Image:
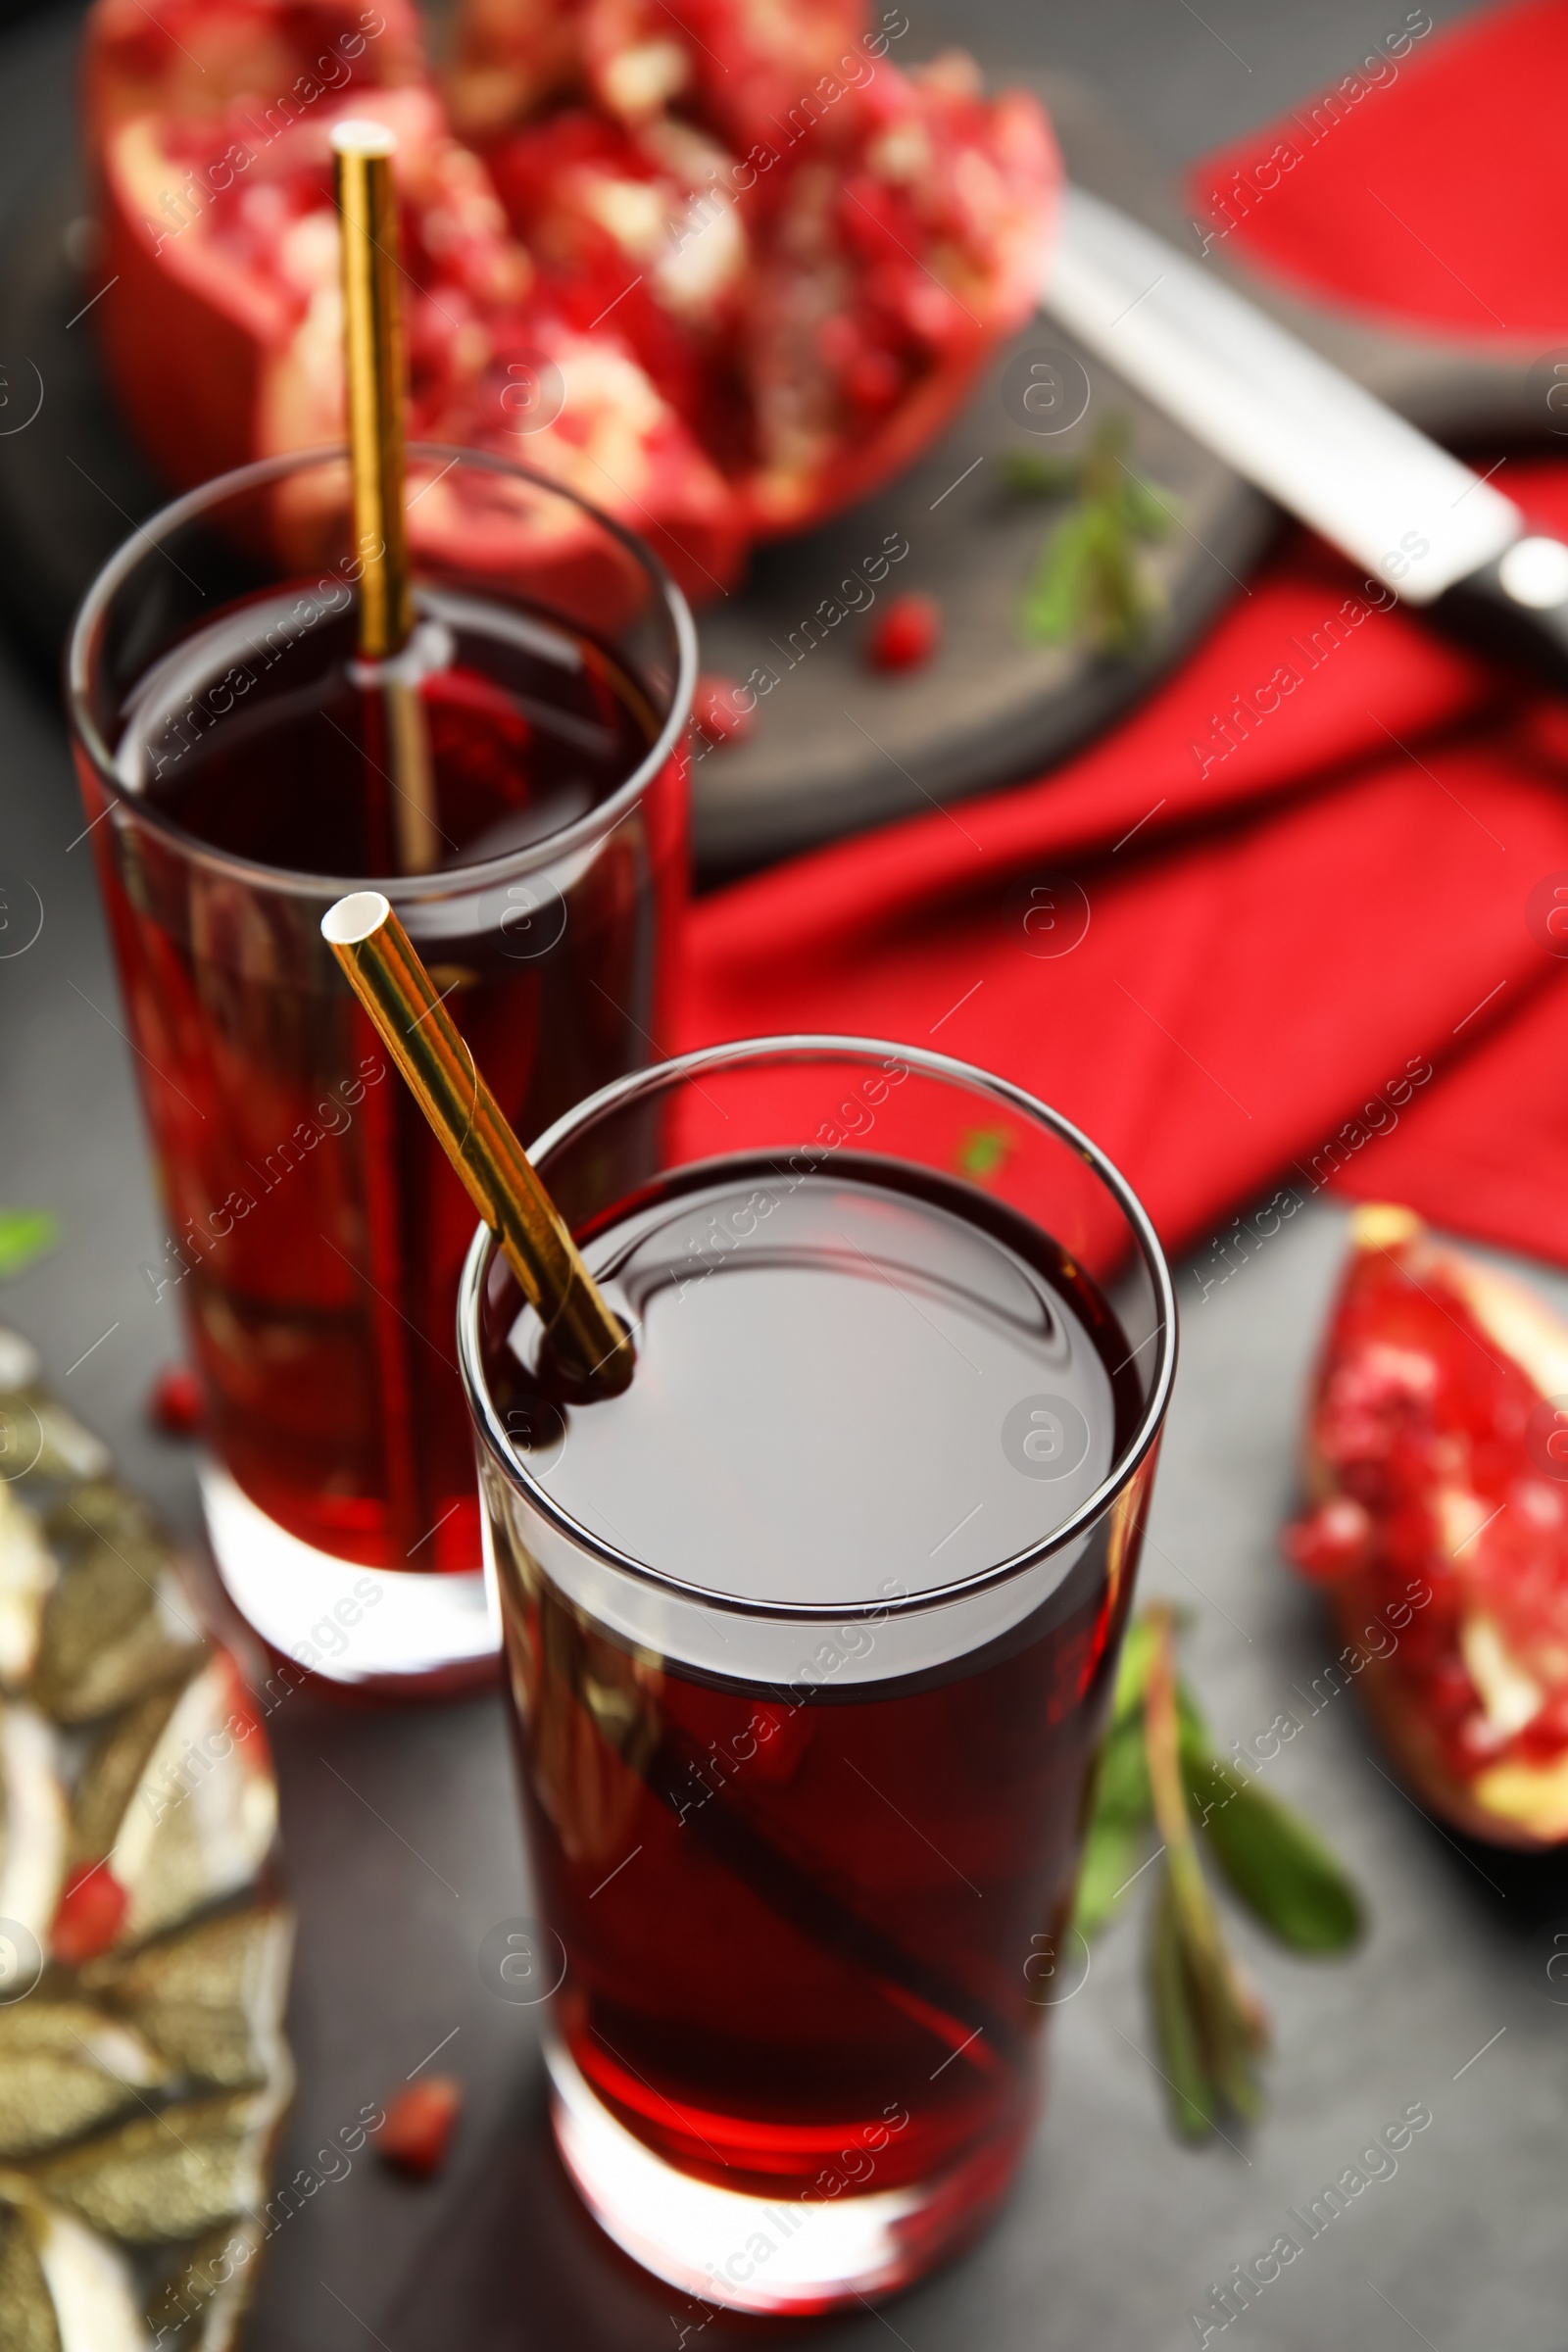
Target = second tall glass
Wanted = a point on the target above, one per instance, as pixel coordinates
(240, 776)
(810, 1636)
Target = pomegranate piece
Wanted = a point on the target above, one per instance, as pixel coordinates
(1436, 1457)
(89, 1917)
(419, 2123)
(906, 635)
(174, 1404)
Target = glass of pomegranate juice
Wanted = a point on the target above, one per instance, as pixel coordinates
(810, 1635)
(514, 781)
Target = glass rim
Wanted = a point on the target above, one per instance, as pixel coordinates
(808, 1046)
(400, 889)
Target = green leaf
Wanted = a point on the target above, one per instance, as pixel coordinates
(1118, 1830)
(1137, 1649)
(1190, 2094)
(1028, 475)
(1113, 1852)
(1122, 1791)
(1225, 2011)
(1121, 604)
(1089, 585)
(1278, 1866)
(1197, 1741)
(1149, 513)
(1057, 596)
(25, 1234)
(982, 1151)
(1157, 1767)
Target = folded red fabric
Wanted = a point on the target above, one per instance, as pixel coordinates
(1421, 184)
(1278, 930)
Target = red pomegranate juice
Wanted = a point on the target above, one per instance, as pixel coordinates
(317, 1229)
(804, 1912)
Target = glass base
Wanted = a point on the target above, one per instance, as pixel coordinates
(390, 1633)
(789, 2255)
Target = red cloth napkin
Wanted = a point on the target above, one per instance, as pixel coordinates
(1310, 956)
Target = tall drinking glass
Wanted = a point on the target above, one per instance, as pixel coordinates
(810, 1636)
(242, 769)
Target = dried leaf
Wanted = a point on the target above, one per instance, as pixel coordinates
(211, 2000)
(68, 1449)
(118, 1624)
(199, 1811)
(64, 2069)
(33, 1827)
(61, 2288)
(27, 1576)
(38, 1437)
(111, 1773)
(173, 2174)
(200, 2302)
(24, 2299)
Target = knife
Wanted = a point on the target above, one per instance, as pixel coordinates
(1401, 508)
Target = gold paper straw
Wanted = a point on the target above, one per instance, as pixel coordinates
(385, 971)
(372, 341)
(372, 344)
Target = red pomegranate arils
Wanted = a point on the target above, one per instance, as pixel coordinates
(718, 712)
(174, 1402)
(419, 2123)
(906, 635)
(88, 1918)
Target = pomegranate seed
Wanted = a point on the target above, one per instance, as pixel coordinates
(721, 716)
(418, 2125)
(88, 1918)
(174, 1404)
(907, 635)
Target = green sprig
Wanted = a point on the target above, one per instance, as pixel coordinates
(1158, 1772)
(1089, 584)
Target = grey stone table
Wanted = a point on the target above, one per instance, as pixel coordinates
(401, 1832)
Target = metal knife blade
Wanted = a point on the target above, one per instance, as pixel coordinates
(1386, 495)
(1392, 500)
